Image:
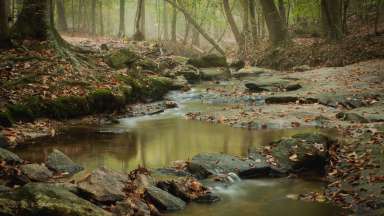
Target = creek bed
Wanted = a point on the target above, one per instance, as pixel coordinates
(155, 141)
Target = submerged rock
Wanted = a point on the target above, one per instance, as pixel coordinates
(302, 153)
(104, 186)
(46, 199)
(36, 172)
(9, 157)
(206, 164)
(163, 200)
(59, 162)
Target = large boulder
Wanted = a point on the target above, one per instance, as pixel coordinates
(302, 153)
(190, 73)
(206, 164)
(208, 61)
(104, 186)
(163, 200)
(61, 163)
(121, 58)
(36, 172)
(46, 199)
(9, 157)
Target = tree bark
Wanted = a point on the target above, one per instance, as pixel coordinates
(331, 19)
(276, 28)
(101, 18)
(283, 12)
(93, 17)
(139, 36)
(61, 18)
(165, 20)
(4, 28)
(174, 23)
(122, 19)
(33, 20)
(197, 26)
(379, 10)
(235, 30)
(252, 17)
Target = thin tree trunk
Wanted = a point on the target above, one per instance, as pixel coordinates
(138, 28)
(4, 28)
(174, 23)
(165, 20)
(122, 19)
(331, 18)
(73, 16)
(252, 17)
(276, 28)
(379, 10)
(194, 23)
(101, 18)
(61, 18)
(142, 22)
(235, 30)
(282, 12)
(93, 17)
(187, 30)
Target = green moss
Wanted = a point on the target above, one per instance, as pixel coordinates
(36, 105)
(208, 61)
(103, 100)
(67, 107)
(5, 119)
(121, 58)
(21, 112)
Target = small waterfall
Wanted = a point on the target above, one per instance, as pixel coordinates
(233, 177)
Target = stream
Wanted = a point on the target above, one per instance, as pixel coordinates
(155, 141)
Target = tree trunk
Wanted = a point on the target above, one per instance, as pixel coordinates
(174, 23)
(33, 20)
(93, 17)
(4, 28)
(142, 22)
(139, 36)
(197, 26)
(282, 12)
(252, 17)
(276, 28)
(165, 20)
(331, 19)
(122, 19)
(61, 18)
(235, 30)
(187, 30)
(101, 18)
(379, 10)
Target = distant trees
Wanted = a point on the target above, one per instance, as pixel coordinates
(122, 18)
(140, 21)
(4, 28)
(61, 17)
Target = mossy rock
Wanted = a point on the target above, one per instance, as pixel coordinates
(20, 112)
(103, 100)
(68, 107)
(208, 61)
(147, 64)
(5, 119)
(36, 105)
(121, 58)
(46, 199)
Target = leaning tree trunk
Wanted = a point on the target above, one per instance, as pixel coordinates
(332, 19)
(235, 30)
(122, 18)
(4, 29)
(197, 26)
(61, 18)
(276, 27)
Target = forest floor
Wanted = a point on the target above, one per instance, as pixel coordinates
(348, 98)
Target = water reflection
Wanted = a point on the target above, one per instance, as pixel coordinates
(153, 143)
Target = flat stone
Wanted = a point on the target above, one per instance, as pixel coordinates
(9, 157)
(105, 186)
(59, 162)
(163, 200)
(36, 172)
(206, 164)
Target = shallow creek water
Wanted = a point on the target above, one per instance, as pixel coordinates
(156, 141)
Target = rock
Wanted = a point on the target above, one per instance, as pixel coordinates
(302, 68)
(253, 87)
(104, 47)
(281, 99)
(208, 61)
(131, 206)
(36, 172)
(9, 157)
(180, 83)
(59, 162)
(293, 87)
(163, 200)
(351, 117)
(208, 198)
(46, 199)
(104, 186)
(121, 58)
(147, 64)
(251, 72)
(302, 153)
(190, 73)
(237, 64)
(211, 74)
(206, 164)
